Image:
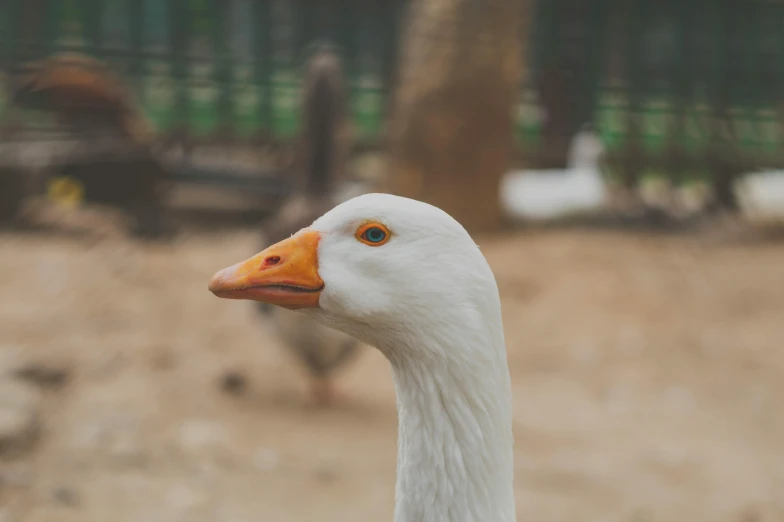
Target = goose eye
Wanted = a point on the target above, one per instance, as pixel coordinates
(373, 234)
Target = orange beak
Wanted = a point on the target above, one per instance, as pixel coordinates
(285, 274)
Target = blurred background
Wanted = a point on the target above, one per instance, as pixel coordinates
(618, 162)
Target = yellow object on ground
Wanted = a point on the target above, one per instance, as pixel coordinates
(65, 191)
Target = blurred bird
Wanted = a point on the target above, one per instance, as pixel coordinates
(82, 92)
(322, 164)
(553, 193)
(761, 196)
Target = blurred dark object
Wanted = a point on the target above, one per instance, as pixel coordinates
(234, 383)
(322, 183)
(325, 139)
(83, 93)
(12, 192)
(101, 146)
(44, 375)
(66, 496)
(322, 147)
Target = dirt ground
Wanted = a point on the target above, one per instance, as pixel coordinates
(648, 376)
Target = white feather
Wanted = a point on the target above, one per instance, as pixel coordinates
(428, 300)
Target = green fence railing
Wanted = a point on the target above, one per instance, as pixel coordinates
(665, 78)
(659, 76)
(214, 68)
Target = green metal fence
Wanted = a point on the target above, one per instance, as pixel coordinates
(214, 68)
(661, 80)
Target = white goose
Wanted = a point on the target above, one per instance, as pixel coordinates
(553, 193)
(405, 277)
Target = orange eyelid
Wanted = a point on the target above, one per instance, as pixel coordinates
(372, 224)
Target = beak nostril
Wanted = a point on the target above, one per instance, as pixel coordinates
(271, 261)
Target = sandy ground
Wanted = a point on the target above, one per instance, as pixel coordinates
(648, 379)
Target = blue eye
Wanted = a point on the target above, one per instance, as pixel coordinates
(375, 235)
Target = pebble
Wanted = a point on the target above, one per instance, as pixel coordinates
(65, 496)
(20, 406)
(234, 383)
(50, 375)
(325, 474)
(163, 359)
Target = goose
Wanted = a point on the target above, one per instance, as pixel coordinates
(405, 277)
(81, 91)
(322, 351)
(761, 196)
(542, 195)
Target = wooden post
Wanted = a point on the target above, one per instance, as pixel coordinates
(451, 135)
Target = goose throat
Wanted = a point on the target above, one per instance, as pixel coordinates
(455, 441)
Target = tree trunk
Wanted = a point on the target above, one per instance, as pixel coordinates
(451, 134)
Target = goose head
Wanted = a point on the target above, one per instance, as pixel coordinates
(373, 265)
(406, 277)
